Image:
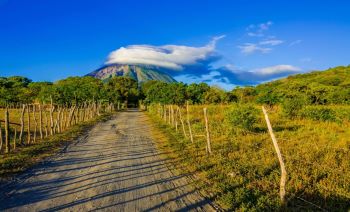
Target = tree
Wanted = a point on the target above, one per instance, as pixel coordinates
(122, 89)
(214, 95)
(245, 94)
(195, 92)
(76, 90)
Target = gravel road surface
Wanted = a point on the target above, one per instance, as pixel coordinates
(114, 167)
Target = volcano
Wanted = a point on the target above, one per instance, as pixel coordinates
(141, 73)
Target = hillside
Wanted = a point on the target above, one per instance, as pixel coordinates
(331, 86)
(140, 73)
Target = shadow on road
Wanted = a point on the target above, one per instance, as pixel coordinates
(114, 169)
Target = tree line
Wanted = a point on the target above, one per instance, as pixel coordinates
(317, 88)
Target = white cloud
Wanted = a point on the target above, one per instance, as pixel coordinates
(260, 46)
(278, 69)
(265, 26)
(296, 42)
(213, 78)
(168, 56)
(253, 34)
(250, 48)
(258, 30)
(271, 42)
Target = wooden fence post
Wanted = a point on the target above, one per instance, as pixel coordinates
(169, 115)
(1, 140)
(207, 130)
(84, 110)
(66, 111)
(46, 123)
(176, 123)
(7, 134)
(279, 155)
(35, 123)
(164, 110)
(182, 122)
(188, 122)
(28, 125)
(172, 115)
(71, 116)
(40, 122)
(22, 124)
(51, 117)
(14, 138)
(59, 119)
(159, 110)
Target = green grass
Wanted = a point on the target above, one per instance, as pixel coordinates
(243, 172)
(26, 156)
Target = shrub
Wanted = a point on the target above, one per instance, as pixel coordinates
(243, 116)
(268, 98)
(292, 106)
(319, 114)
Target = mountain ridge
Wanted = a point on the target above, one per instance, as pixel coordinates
(141, 73)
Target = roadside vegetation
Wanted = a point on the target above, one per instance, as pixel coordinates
(309, 114)
(310, 118)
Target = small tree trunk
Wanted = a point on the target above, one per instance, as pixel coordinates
(22, 124)
(7, 133)
(207, 130)
(188, 122)
(280, 159)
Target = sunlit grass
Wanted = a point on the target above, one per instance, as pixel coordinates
(243, 172)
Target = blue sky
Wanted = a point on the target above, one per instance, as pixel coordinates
(259, 40)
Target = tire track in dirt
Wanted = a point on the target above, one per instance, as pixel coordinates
(116, 167)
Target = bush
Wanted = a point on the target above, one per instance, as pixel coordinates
(292, 106)
(243, 116)
(268, 98)
(319, 114)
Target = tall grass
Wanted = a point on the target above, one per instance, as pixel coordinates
(243, 172)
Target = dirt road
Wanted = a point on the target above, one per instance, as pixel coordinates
(116, 167)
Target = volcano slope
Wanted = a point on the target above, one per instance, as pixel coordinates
(115, 167)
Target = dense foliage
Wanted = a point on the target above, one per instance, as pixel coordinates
(72, 90)
(292, 93)
(317, 88)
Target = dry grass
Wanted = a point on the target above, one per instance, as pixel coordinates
(243, 171)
